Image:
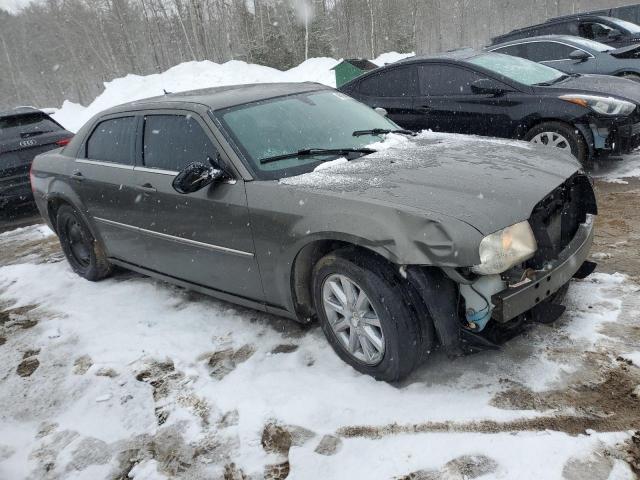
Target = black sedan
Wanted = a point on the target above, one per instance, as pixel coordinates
(576, 55)
(498, 95)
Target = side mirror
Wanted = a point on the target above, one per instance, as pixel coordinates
(579, 55)
(485, 86)
(197, 175)
(381, 111)
(614, 34)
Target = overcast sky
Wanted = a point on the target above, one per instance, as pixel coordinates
(13, 5)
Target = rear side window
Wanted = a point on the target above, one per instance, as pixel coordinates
(25, 126)
(438, 80)
(113, 141)
(397, 82)
(171, 142)
(547, 51)
(513, 50)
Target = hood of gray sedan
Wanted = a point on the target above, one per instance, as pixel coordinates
(486, 183)
(604, 84)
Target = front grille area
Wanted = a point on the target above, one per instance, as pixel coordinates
(556, 218)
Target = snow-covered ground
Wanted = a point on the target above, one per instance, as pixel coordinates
(131, 376)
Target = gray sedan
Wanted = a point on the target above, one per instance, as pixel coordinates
(575, 55)
(294, 200)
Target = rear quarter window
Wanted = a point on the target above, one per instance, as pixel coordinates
(113, 141)
(396, 82)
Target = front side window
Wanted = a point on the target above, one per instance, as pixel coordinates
(547, 51)
(113, 141)
(518, 69)
(171, 142)
(595, 31)
(397, 82)
(591, 44)
(285, 125)
(440, 80)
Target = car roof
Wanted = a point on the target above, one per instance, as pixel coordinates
(551, 21)
(220, 97)
(559, 38)
(460, 54)
(20, 111)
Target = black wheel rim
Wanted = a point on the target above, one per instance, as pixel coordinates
(79, 244)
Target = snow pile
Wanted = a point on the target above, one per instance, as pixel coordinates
(196, 75)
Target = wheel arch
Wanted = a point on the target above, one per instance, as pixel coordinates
(306, 258)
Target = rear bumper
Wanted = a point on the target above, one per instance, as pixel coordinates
(16, 194)
(515, 301)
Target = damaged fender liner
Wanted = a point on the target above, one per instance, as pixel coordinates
(515, 301)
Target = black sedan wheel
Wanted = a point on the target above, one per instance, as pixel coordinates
(365, 315)
(563, 136)
(84, 254)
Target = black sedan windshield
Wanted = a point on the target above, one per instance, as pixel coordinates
(285, 125)
(518, 69)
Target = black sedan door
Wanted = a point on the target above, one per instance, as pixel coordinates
(449, 103)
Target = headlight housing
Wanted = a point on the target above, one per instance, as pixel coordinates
(603, 105)
(505, 248)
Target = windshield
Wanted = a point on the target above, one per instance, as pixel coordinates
(21, 126)
(517, 69)
(624, 25)
(285, 125)
(592, 44)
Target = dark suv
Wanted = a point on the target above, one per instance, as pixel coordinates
(24, 133)
(610, 30)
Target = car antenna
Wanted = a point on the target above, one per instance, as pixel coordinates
(165, 92)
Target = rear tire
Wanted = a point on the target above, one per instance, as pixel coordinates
(564, 136)
(387, 318)
(85, 255)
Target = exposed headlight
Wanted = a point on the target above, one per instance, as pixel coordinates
(505, 248)
(602, 105)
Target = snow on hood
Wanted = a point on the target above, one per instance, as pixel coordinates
(487, 183)
(197, 75)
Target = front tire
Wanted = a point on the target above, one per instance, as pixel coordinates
(85, 255)
(563, 136)
(365, 316)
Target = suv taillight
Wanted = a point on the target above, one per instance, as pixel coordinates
(63, 141)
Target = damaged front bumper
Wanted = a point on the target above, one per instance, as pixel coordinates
(516, 300)
(613, 135)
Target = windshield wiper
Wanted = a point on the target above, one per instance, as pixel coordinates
(35, 133)
(561, 78)
(383, 131)
(312, 152)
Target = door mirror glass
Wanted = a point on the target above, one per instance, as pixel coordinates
(381, 111)
(486, 86)
(197, 175)
(614, 34)
(579, 55)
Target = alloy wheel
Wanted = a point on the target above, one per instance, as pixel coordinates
(353, 319)
(552, 139)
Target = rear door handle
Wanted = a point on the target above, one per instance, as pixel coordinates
(147, 187)
(424, 109)
(77, 175)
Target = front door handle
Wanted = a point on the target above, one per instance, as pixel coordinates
(77, 175)
(147, 187)
(424, 109)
